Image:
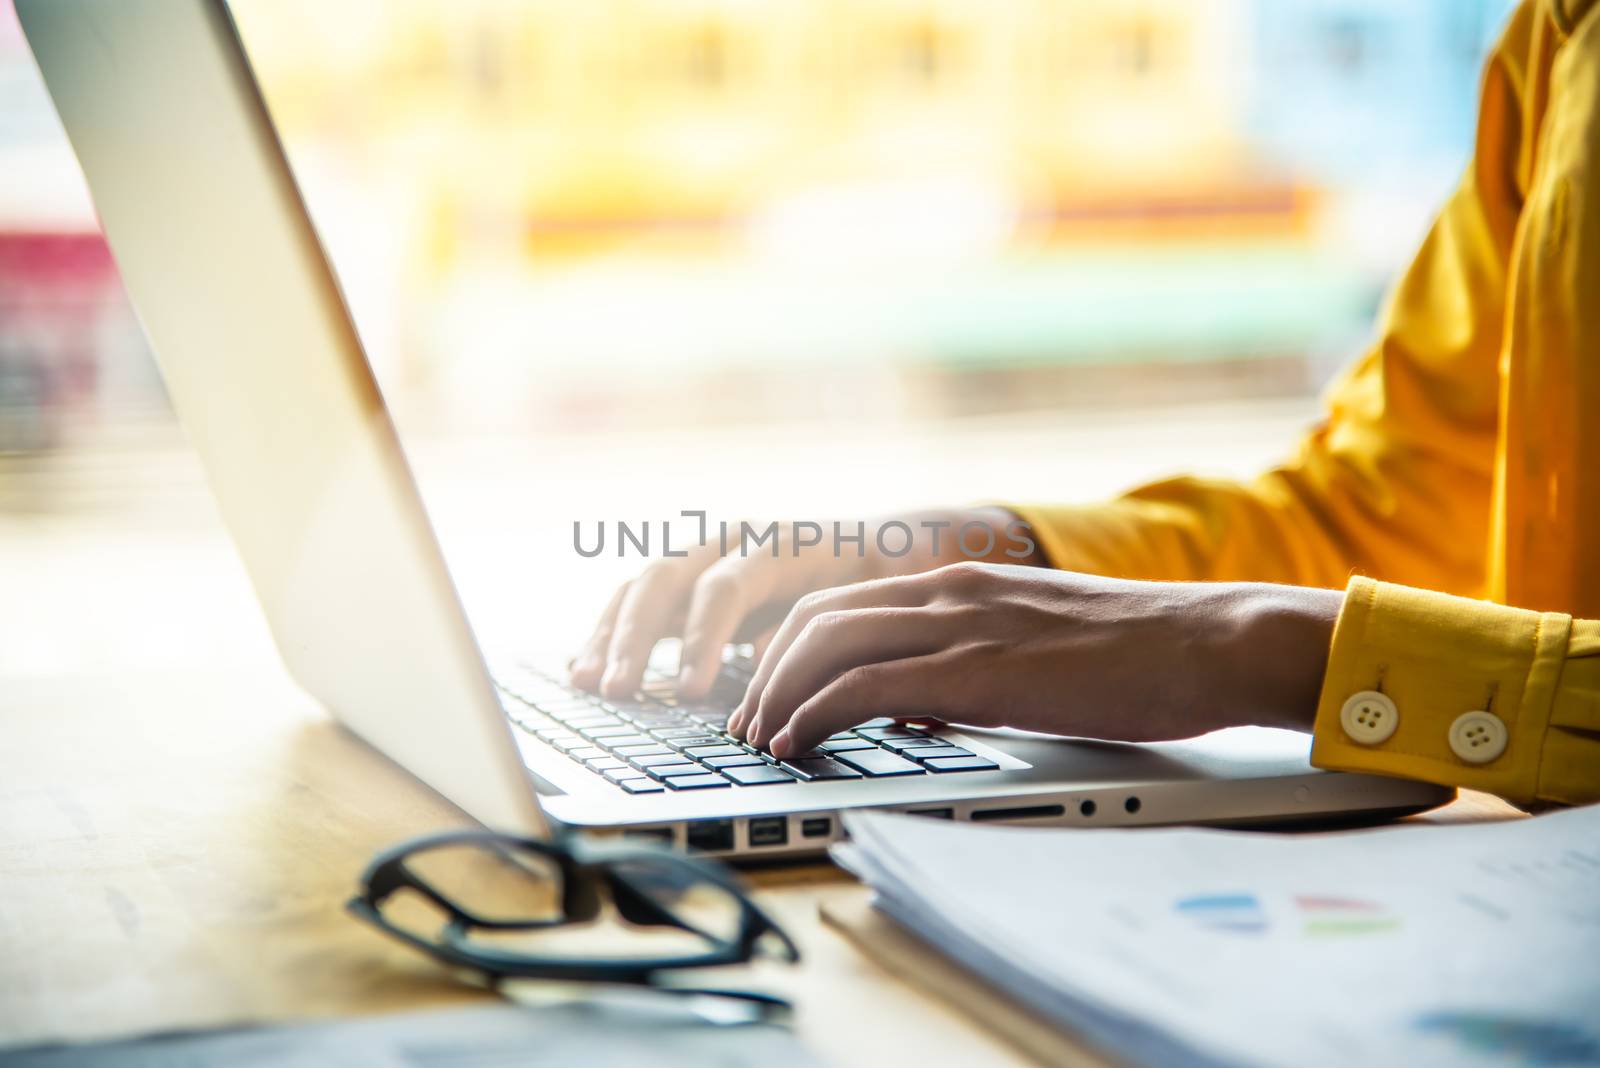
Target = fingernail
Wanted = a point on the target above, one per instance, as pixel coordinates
(780, 743)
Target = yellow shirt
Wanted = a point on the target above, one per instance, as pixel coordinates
(1460, 455)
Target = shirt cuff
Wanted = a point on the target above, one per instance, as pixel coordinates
(1445, 689)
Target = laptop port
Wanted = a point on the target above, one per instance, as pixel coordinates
(769, 831)
(711, 836)
(933, 813)
(1029, 812)
(816, 827)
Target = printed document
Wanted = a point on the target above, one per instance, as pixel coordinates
(1418, 945)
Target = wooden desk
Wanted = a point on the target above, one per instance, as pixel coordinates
(175, 851)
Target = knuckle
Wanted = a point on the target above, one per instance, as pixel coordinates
(859, 679)
(965, 576)
(811, 603)
(718, 584)
(822, 626)
(666, 574)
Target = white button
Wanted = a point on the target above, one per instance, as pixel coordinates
(1478, 737)
(1369, 718)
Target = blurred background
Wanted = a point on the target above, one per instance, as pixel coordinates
(617, 258)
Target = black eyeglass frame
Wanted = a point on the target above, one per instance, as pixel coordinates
(584, 866)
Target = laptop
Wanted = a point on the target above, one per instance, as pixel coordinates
(268, 378)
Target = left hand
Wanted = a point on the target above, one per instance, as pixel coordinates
(993, 645)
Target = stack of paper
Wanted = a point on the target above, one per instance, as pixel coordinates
(1406, 946)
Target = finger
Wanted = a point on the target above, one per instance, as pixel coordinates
(648, 608)
(722, 597)
(897, 592)
(921, 682)
(834, 643)
(590, 662)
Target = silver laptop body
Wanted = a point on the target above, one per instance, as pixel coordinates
(269, 380)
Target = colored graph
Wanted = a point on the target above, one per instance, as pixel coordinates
(1335, 916)
(1320, 915)
(1238, 913)
(1516, 1039)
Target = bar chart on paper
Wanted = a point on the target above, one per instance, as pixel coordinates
(1319, 915)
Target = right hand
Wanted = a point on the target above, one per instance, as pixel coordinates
(709, 599)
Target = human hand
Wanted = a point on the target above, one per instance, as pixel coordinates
(1055, 651)
(710, 599)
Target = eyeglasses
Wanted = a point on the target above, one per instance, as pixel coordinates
(506, 907)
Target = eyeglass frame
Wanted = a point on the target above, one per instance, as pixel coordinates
(583, 864)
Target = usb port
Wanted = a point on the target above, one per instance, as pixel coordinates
(933, 813)
(711, 836)
(816, 827)
(769, 831)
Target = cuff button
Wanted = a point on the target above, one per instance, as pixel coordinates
(1369, 718)
(1478, 737)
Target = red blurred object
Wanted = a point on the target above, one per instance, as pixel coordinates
(60, 298)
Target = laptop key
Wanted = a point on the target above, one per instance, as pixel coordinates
(567, 745)
(659, 723)
(878, 764)
(844, 745)
(696, 782)
(739, 760)
(641, 786)
(586, 752)
(901, 745)
(643, 750)
(618, 774)
(697, 740)
(819, 768)
(966, 763)
(936, 752)
(656, 760)
(757, 775)
(612, 730)
(599, 719)
(620, 740)
(605, 763)
(700, 752)
(881, 734)
(666, 771)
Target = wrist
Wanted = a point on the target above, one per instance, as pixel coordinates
(1280, 647)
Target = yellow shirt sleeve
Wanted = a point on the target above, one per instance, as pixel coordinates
(1397, 482)
(1477, 694)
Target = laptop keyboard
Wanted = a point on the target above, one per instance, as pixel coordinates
(656, 743)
